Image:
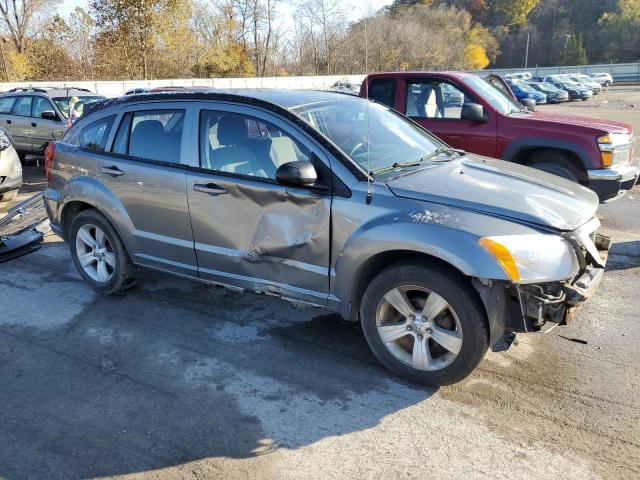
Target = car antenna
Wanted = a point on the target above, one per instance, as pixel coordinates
(368, 195)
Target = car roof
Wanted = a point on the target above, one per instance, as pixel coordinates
(286, 99)
(451, 74)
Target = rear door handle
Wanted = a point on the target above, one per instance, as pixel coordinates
(113, 171)
(34, 124)
(8, 122)
(210, 188)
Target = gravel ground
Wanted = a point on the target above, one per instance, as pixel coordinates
(181, 380)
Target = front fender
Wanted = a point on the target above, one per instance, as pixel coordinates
(517, 146)
(455, 247)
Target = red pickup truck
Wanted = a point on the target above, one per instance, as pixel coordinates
(482, 116)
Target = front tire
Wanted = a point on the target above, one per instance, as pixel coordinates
(424, 323)
(98, 253)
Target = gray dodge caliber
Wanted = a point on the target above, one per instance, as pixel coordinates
(331, 200)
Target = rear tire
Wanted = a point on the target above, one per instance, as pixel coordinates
(98, 253)
(453, 316)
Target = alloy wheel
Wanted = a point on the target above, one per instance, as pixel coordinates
(419, 327)
(95, 253)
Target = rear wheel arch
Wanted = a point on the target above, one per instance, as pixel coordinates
(69, 211)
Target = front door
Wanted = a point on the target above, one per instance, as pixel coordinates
(142, 170)
(249, 231)
(43, 128)
(436, 104)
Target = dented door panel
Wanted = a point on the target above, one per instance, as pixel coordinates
(261, 236)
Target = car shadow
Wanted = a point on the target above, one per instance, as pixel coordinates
(624, 255)
(171, 372)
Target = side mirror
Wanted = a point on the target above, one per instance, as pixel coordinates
(530, 104)
(296, 174)
(473, 112)
(49, 115)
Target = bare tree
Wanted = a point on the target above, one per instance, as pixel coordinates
(18, 18)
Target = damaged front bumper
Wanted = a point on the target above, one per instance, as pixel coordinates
(558, 302)
(528, 307)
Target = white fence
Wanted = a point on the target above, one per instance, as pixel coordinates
(114, 88)
(622, 73)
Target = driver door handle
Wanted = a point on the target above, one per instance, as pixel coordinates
(113, 171)
(34, 124)
(210, 188)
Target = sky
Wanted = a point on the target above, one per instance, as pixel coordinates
(355, 8)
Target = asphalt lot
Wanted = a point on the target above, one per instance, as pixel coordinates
(181, 380)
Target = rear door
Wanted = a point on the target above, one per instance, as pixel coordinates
(425, 102)
(250, 231)
(143, 170)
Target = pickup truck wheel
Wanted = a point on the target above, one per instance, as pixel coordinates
(99, 254)
(424, 323)
(555, 163)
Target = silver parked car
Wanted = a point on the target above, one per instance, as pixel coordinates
(332, 200)
(33, 117)
(10, 170)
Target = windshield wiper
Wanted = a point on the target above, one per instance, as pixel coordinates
(415, 163)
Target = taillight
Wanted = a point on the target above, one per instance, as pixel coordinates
(48, 159)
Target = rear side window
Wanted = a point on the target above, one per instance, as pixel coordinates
(151, 135)
(23, 106)
(383, 91)
(6, 103)
(94, 136)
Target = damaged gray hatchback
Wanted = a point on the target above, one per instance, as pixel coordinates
(331, 200)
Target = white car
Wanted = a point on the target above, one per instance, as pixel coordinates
(602, 78)
(10, 170)
(587, 81)
(518, 76)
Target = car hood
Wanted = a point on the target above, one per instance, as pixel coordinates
(562, 121)
(501, 188)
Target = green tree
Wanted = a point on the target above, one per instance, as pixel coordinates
(574, 52)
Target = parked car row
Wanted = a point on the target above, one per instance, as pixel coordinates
(595, 79)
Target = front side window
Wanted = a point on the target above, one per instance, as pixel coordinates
(383, 91)
(151, 135)
(23, 106)
(6, 103)
(94, 136)
(40, 105)
(83, 100)
(372, 135)
(245, 145)
(434, 99)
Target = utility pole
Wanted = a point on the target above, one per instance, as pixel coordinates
(526, 52)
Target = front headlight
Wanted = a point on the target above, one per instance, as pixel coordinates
(533, 258)
(615, 149)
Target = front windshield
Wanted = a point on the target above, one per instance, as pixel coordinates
(499, 100)
(372, 135)
(526, 88)
(570, 85)
(545, 88)
(582, 78)
(63, 103)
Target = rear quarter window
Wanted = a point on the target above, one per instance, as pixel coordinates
(383, 91)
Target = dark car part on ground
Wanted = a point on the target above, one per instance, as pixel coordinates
(22, 229)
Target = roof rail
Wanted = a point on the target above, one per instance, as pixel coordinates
(27, 89)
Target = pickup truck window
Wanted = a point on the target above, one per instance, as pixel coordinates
(372, 135)
(434, 99)
(498, 100)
